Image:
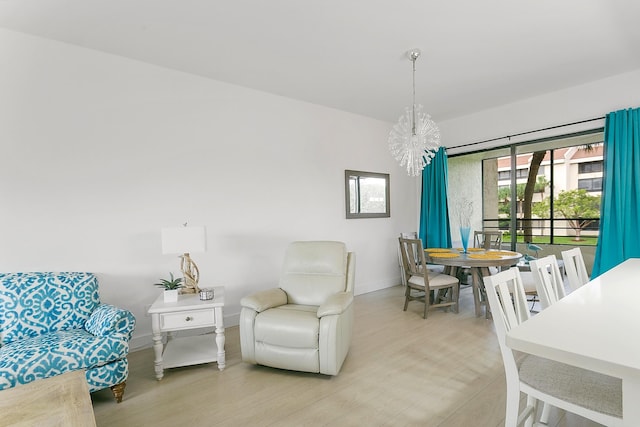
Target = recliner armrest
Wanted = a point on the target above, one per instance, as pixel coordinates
(335, 304)
(263, 300)
(108, 320)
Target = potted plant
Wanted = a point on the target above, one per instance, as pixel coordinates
(171, 288)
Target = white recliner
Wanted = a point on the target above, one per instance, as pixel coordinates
(306, 324)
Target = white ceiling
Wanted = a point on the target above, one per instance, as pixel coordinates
(350, 54)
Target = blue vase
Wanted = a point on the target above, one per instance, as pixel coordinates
(464, 235)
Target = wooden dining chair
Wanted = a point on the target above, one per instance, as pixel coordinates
(589, 394)
(548, 280)
(575, 268)
(433, 288)
(487, 239)
(403, 270)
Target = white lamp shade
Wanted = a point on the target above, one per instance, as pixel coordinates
(182, 240)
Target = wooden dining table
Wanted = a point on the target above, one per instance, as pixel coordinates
(478, 261)
(594, 327)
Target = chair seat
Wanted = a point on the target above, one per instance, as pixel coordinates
(436, 280)
(302, 326)
(52, 354)
(598, 392)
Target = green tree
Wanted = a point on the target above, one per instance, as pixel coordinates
(504, 198)
(574, 206)
(527, 202)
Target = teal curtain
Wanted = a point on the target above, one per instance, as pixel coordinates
(620, 207)
(435, 231)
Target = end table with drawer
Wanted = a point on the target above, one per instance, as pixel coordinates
(188, 313)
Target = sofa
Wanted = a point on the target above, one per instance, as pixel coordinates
(52, 323)
(305, 324)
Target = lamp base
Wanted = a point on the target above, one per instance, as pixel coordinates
(191, 275)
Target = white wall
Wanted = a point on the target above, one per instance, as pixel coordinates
(571, 105)
(99, 152)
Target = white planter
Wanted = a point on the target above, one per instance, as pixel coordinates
(171, 295)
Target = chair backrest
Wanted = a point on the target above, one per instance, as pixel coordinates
(35, 303)
(575, 268)
(548, 280)
(413, 258)
(314, 270)
(487, 239)
(403, 270)
(508, 309)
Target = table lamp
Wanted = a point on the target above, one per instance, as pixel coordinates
(184, 240)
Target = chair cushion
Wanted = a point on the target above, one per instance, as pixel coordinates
(293, 326)
(55, 353)
(591, 390)
(436, 280)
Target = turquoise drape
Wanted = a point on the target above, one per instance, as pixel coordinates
(620, 207)
(435, 231)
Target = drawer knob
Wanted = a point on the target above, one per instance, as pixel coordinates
(189, 318)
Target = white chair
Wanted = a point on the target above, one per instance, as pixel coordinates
(575, 268)
(586, 393)
(306, 323)
(548, 280)
(546, 275)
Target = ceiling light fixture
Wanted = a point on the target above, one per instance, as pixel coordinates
(415, 139)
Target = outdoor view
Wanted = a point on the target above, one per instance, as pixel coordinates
(556, 198)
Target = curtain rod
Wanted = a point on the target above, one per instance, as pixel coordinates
(526, 133)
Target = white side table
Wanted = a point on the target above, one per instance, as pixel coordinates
(188, 313)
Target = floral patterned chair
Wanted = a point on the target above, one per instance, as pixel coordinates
(52, 323)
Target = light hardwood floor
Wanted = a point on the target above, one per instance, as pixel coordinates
(401, 371)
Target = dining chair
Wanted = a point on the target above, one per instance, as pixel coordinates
(548, 280)
(589, 394)
(403, 271)
(487, 239)
(575, 268)
(433, 288)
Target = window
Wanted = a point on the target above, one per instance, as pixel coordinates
(366, 194)
(590, 184)
(506, 175)
(553, 212)
(590, 167)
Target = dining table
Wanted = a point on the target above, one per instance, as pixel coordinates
(594, 327)
(478, 261)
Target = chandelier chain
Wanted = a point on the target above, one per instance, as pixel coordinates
(413, 125)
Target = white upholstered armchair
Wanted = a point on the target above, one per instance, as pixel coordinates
(306, 324)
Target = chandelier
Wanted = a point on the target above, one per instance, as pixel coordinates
(415, 139)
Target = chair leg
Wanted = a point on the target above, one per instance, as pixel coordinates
(544, 418)
(455, 295)
(513, 406)
(407, 294)
(118, 391)
(531, 418)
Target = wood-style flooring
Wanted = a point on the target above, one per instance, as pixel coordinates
(401, 370)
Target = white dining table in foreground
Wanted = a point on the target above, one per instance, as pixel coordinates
(595, 327)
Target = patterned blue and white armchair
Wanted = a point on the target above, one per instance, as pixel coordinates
(52, 323)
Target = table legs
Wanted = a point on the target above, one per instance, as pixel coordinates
(630, 399)
(220, 340)
(476, 285)
(157, 349)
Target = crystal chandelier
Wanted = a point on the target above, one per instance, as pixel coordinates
(415, 139)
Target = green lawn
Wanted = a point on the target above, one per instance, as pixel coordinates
(557, 240)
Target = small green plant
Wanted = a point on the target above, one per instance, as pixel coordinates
(170, 284)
